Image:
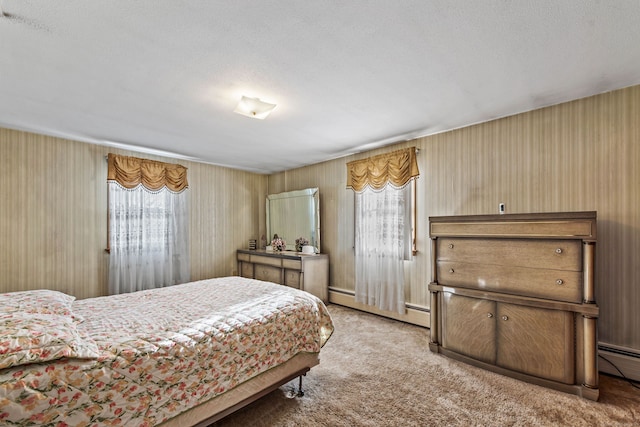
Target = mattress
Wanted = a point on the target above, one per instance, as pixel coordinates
(142, 358)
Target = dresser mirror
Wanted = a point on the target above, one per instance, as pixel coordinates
(294, 214)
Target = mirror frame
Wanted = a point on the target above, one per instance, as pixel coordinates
(312, 193)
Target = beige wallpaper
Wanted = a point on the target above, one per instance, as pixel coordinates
(53, 214)
(581, 155)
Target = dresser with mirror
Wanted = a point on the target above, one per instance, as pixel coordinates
(290, 215)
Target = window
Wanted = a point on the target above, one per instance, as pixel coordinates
(384, 226)
(148, 224)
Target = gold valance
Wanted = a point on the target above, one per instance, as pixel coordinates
(397, 167)
(130, 172)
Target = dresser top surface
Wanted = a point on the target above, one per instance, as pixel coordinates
(592, 215)
(562, 225)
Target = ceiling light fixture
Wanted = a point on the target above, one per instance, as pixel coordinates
(254, 107)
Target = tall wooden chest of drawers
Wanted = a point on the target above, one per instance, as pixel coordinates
(309, 272)
(515, 294)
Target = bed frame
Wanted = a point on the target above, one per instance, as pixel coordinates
(220, 406)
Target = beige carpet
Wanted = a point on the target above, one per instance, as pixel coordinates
(379, 372)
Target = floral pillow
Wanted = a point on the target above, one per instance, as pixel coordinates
(42, 301)
(38, 326)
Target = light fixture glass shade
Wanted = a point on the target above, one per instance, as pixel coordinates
(253, 107)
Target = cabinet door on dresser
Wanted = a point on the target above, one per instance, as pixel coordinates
(469, 326)
(532, 340)
(536, 341)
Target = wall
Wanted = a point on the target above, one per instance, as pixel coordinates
(580, 155)
(53, 217)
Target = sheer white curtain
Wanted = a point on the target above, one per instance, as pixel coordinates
(148, 238)
(380, 247)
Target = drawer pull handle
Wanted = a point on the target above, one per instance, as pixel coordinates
(559, 250)
(451, 271)
(505, 318)
(450, 245)
(489, 315)
(559, 282)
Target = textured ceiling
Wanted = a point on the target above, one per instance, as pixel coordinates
(347, 75)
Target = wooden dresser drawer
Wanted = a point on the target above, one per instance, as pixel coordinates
(266, 260)
(244, 257)
(267, 273)
(503, 227)
(292, 278)
(546, 254)
(561, 285)
(294, 264)
(246, 270)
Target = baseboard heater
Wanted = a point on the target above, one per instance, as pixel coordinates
(626, 360)
(416, 314)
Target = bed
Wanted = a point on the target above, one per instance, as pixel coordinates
(177, 356)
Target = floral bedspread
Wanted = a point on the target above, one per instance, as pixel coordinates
(163, 351)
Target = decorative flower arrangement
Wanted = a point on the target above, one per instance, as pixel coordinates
(278, 244)
(300, 242)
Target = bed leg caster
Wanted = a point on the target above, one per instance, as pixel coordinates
(300, 392)
(293, 393)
